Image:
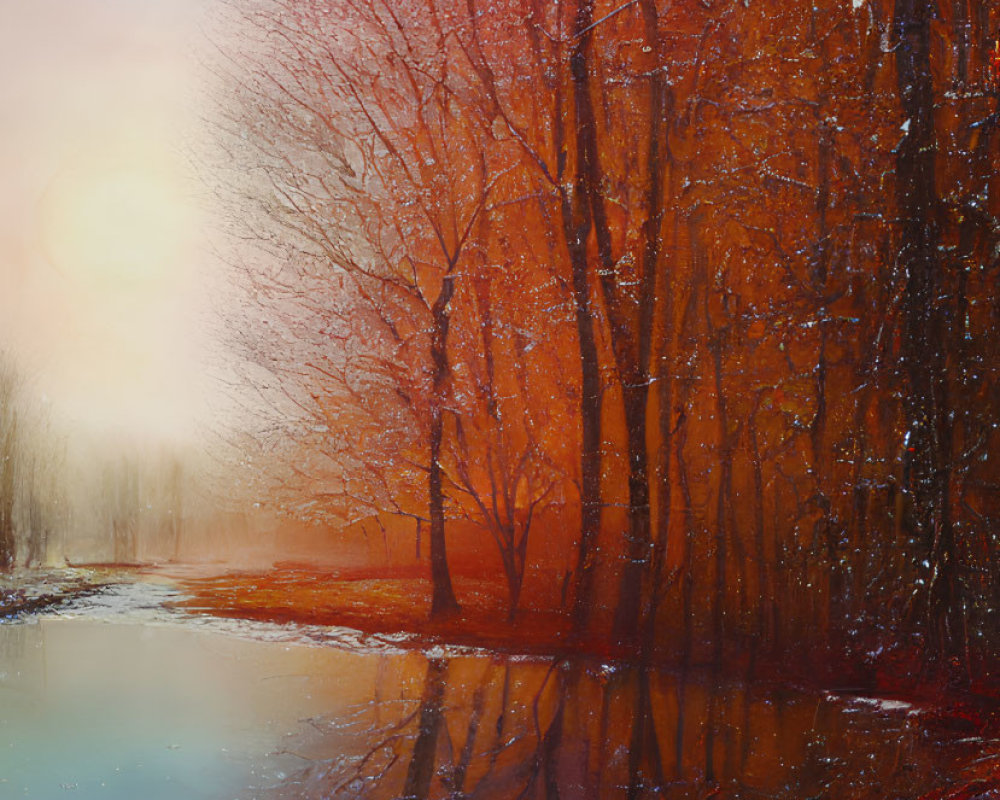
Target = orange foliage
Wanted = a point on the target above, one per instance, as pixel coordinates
(734, 203)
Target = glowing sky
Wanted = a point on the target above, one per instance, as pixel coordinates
(104, 267)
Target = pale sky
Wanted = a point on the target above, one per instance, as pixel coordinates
(104, 269)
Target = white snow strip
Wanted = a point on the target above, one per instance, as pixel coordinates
(143, 603)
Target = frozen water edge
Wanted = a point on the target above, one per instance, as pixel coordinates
(145, 603)
(882, 704)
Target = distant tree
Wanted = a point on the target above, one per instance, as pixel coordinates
(43, 492)
(121, 497)
(10, 454)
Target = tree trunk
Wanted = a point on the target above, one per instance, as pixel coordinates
(637, 553)
(766, 630)
(8, 545)
(926, 446)
(824, 534)
(590, 425)
(645, 761)
(443, 600)
(723, 501)
(576, 225)
(630, 320)
(631, 606)
(420, 772)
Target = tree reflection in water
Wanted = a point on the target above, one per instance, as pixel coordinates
(469, 727)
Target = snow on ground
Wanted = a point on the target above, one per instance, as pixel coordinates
(132, 599)
(882, 704)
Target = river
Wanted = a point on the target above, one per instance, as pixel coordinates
(119, 698)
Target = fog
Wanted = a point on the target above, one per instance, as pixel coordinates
(105, 276)
(102, 250)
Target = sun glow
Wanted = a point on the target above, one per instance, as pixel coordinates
(121, 232)
(105, 264)
(117, 220)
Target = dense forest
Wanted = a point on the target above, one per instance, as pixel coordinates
(686, 310)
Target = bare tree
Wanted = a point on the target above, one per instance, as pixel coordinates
(10, 385)
(121, 496)
(379, 195)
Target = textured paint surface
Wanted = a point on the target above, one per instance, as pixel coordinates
(604, 390)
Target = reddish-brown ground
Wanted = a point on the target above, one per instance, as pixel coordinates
(381, 601)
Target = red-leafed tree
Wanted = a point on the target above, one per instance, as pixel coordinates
(729, 270)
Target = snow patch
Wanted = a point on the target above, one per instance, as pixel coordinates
(145, 604)
(883, 704)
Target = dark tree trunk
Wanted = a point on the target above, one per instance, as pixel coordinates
(576, 225)
(633, 372)
(513, 557)
(687, 554)
(723, 504)
(630, 320)
(645, 762)
(443, 600)
(824, 534)
(960, 12)
(766, 629)
(637, 552)
(926, 448)
(8, 545)
(421, 769)
(590, 425)
(631, 608)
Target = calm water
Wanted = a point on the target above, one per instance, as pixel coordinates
(118, 699)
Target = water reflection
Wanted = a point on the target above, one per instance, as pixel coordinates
(503, 728)
(120, 711)
(178, 712)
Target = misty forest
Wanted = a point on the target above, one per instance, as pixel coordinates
(510, 399)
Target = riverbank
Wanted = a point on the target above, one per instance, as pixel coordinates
(28, 591)
(396, 603)
(387, 602)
